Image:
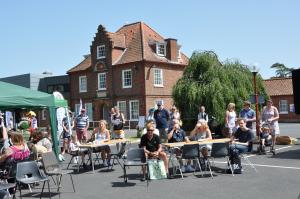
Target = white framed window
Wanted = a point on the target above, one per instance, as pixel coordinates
(283, 107)
(156, 102)
(127, 78)
(101, 52)
(82, 84)
(89, 110)
(77, 107)
(134, 110)
(122, 107)
(158, 77)
(161, 49)
(101, 81)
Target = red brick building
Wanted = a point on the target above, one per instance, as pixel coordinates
(133, 68)
(281, 92)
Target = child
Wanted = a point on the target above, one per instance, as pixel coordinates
(265, 137)
(74, 149)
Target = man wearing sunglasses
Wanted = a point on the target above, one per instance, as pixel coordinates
(152, 146)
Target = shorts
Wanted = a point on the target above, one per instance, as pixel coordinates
(66, 135)
(118, 135)
(264, 135)
(81, 134)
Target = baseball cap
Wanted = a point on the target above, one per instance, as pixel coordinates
(159, 103)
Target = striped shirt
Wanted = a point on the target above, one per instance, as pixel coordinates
(82, 121)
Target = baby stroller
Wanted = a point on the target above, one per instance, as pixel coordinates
(265, 139)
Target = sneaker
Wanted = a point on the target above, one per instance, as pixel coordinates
(183, 169)
(189, 168)
(143, 179)
(105, 164)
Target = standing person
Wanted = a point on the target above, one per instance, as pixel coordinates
(82, 125)
(118, 121)
(230, 117)
(66, 131)
(150, 116)
(162, 117)
(270, 115)
(248, 114)
(174, 114)
(202, 115)
(241, 142)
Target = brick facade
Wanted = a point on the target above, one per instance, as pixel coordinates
(130, 48)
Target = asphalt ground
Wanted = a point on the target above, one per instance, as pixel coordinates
(277, 177)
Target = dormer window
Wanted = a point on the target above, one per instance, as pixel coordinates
(161, 49)
(101, 52)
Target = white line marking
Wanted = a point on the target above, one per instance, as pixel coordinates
(265, 165)
(285, 147)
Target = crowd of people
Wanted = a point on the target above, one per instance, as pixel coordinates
(162, 126)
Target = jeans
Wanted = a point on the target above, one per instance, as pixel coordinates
(234, 151)
(238, 147)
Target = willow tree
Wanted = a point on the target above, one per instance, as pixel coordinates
(206, 81)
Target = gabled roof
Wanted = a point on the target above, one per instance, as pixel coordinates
(85, 64)
(139, 36)
(135, 39)
(279, 86)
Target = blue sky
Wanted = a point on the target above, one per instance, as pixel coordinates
(54, 35)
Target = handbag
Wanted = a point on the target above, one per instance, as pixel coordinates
(156, 169)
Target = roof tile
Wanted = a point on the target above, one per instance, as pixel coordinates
(279, 86)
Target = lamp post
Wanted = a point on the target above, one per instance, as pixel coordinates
(254, 73)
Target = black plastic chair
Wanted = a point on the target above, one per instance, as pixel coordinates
(52, 168)
(117, 156)
(29, 173)
(74, 154)
(192, 152)
(135, 157)
(220, 150)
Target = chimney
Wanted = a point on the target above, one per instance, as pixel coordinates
(171, 49)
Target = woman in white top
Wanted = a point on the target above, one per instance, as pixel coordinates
(101, 134)
(270, 115)
(230, 118)
(201, 132)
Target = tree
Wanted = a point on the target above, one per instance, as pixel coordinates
(206, 81)
(282, 70)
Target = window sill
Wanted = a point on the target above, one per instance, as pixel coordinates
(159, 86)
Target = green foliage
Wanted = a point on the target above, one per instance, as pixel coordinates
(206, 81)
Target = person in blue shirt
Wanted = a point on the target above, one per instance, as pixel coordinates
(248, 114)
(162, 117)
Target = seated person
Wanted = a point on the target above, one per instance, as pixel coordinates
(18, 151)
(44, 140)
(74, 149)
(102, 134)
(201, 132)
(176, 134)
(153, 149)
(265, 137)
(241, 142)
(152, 123)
